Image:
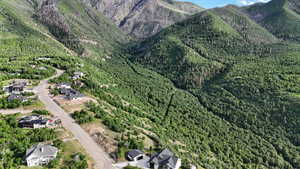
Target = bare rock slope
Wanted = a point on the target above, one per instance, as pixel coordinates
(144, 18)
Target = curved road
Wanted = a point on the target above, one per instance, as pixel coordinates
(102, 160)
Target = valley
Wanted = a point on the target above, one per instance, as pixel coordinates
(219, 87)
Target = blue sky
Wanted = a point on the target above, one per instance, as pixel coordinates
(217, 3)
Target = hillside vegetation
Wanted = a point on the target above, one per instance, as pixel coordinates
(247, 28)
(201, 46)
(218, 60)
(204, 87)
(280, 17)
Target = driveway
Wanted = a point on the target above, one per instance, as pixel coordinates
(102, 160)
(140, 164)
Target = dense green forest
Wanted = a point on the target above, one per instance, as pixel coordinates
(219, 89)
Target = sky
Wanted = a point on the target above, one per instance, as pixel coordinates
(218, 3)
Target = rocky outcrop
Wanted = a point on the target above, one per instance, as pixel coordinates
(144, 18)
(49, 15)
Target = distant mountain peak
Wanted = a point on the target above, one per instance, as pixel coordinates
(144, 18)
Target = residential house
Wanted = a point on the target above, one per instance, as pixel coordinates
(64, 85)
(54, 122)
(78, 83)
(78, 75)
(40, 154)
(18, 97)
(42, 59)
(17, 86)
(193, 167)
(164, 160)
(135, 155)
(71, 94)
(37, 121)
(64, 91)
(31, 117)
(42, 68)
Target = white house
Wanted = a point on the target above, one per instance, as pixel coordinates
(78, 75)
(193, 167)
(40, 154)
(64, 86)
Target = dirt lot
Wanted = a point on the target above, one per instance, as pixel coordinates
(101, 135)
(72, 105)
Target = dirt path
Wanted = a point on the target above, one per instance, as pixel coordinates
(14, 111)
(101, 159)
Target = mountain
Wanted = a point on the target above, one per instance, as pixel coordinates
(238, 71)
(79, 26)
(197, 48)
(248, 29)
(144, 18)
(280, 17)
(218, 88)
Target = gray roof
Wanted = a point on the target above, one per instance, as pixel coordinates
(31, 117)
(41, 150)
(165, 158)
(71, 94)
(134, 153)
(16, 97)
(19, 83)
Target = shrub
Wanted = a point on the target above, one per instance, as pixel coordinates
(78, 161)
(114, 124)
(82, 117)
(58, 143)
(41, 112)
(28, 94)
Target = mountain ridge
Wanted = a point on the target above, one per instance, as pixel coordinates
(144, 18)
(217, 88)
(280, 17)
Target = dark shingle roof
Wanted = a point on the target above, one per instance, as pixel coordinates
(164, 158)
(134, 153)
(16, 97)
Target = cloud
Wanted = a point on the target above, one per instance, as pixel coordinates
(250, 2)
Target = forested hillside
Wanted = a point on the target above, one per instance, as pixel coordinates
(280, 17)
(80, 27)
(247, 28)
(238, 71)
(218, 89)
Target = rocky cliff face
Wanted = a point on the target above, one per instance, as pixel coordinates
(144, 18)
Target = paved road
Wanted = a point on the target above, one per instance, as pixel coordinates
(101, 159)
